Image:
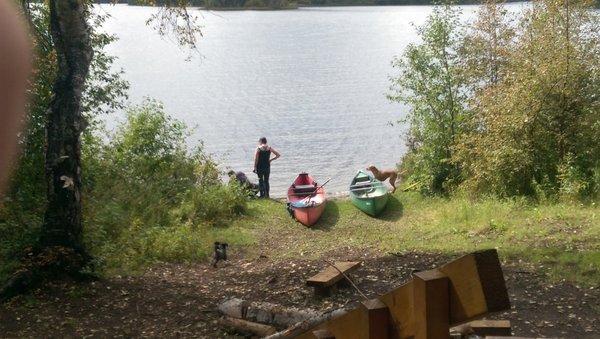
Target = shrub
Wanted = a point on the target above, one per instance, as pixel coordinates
(430, 83)
(502, 108)
(150, 197)
(537, 127)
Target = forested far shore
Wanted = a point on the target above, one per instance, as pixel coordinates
(285, 4)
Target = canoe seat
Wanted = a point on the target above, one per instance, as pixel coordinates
(361, 185)
(330, 276)
(362, 179)
(300, 189)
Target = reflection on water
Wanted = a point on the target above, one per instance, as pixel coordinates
(313, 81)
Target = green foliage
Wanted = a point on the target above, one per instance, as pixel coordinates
(430, 83)
(148, 196)
(537, 128)
(505, 109)
(22, 208)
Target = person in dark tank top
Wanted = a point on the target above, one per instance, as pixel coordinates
(262, 165)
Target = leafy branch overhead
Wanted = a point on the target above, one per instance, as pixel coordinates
(174, 20)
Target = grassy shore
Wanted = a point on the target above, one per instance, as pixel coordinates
(560, 239)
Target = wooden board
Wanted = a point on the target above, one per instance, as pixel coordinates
(378, 319)
(476, 288)
(330, 275)
(431, 305)
(485, 328)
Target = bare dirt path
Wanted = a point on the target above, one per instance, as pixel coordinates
(180, 300)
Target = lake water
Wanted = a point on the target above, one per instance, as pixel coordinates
(313, 81)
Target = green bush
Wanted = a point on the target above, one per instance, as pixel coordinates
(137, 181)
(430, 83)
(22, 208)
(537, 125)
(504, 107)
(149, 197)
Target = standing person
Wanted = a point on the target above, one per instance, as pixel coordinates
(262, 165)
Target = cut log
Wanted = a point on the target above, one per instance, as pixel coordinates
(277, 315)
(247, 327)
(234, 307)
(266, 313)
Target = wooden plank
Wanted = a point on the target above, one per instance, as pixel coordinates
(476, 288)
(323, 334)
(400, 303)
(484, 328)
(377, 319)
(490, 327)
(330, 275)
(431, 305)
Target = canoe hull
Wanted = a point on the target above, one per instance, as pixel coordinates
(371, 206)
(306, 200)
(309, 216)
(368, 194)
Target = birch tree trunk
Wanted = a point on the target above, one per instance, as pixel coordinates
(71, 34)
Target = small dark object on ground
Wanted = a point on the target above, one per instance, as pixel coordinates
(220, 252)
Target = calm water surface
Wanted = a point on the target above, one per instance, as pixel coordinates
(313, 81)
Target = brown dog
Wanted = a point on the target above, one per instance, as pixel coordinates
(384, 175)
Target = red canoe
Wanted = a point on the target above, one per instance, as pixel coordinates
(306, 199)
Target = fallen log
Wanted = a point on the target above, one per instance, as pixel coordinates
(265, 313)
(233, 307)
(247, 327)
(307, 324)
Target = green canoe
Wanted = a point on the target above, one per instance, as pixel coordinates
(368, 194)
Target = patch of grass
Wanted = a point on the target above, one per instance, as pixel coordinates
(139, 247)
(561, 239)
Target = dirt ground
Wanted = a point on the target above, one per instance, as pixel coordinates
(180, 300)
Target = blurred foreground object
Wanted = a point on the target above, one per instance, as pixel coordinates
(14, 70)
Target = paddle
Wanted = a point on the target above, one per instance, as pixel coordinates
(315, 191)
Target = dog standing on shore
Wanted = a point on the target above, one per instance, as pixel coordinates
(384, 175)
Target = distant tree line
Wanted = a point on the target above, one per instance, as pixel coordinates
(267, 4)
(285, 4)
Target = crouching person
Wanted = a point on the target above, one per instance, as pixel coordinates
(244, 182)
